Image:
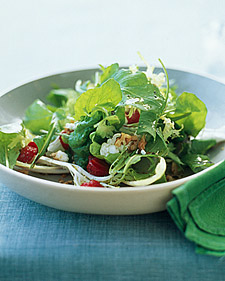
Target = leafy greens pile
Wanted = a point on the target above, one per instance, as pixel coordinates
(168, 125)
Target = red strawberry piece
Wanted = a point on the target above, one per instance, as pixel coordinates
(92, 183)
(97, 167)
(64, 145)
(28, 153)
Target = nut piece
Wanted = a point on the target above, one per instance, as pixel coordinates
(142, 143)
(126, 139)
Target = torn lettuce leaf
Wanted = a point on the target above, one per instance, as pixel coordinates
(43, 141)
(103, 98)
(157, 145)
(11, 141)
(190, 113)
(65, 98)
(201, 146)
(197, 162)
(37, 117)
(79, 140)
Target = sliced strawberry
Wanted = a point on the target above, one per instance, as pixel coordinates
(92, 183)
(33, 144)
(97, 167)
(64, 145)
(28, 153)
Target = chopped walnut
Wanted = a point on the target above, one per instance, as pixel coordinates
(126, 139)
(142, 143)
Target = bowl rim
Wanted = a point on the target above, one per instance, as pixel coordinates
(56, 185)
(50, 74)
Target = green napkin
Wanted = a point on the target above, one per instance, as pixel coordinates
(198, 209)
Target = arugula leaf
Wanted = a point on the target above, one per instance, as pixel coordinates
(202, 146)
(37, 117)
(194, 113)
(157, 145)
(147, 123)
(197, 162)
(107, 96)
(11, 139)
(138, 91)
(175, 158)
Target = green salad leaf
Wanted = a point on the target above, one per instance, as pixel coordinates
(130, 168)
(190, 113)
(37, 117)
(43, 141)
(105, 128)
(59, 97)
(140, 93)
(11, 141)
(197, 162)
(64, 98)
(157, 145)
(108, 72)
(79, 140)
(105, 97)
(201, 146)
(95, 151)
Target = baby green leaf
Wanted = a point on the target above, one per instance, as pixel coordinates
(106, 96)
(11, 137)
(194, 120)
(44, 140)
(37, 117)
(197, 162)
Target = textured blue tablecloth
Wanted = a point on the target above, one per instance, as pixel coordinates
(41, 243)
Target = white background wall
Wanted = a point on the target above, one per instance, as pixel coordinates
(49, 36)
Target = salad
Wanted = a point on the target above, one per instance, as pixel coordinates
(124, 127)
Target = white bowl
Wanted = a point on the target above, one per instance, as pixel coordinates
(129, 200)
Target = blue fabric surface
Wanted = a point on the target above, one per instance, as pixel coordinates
(40, 243)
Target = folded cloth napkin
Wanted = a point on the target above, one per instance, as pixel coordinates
(198, 209)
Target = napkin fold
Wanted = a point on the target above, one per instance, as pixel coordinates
(198, 209)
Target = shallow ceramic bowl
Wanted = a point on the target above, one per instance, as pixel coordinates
(139, 200)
